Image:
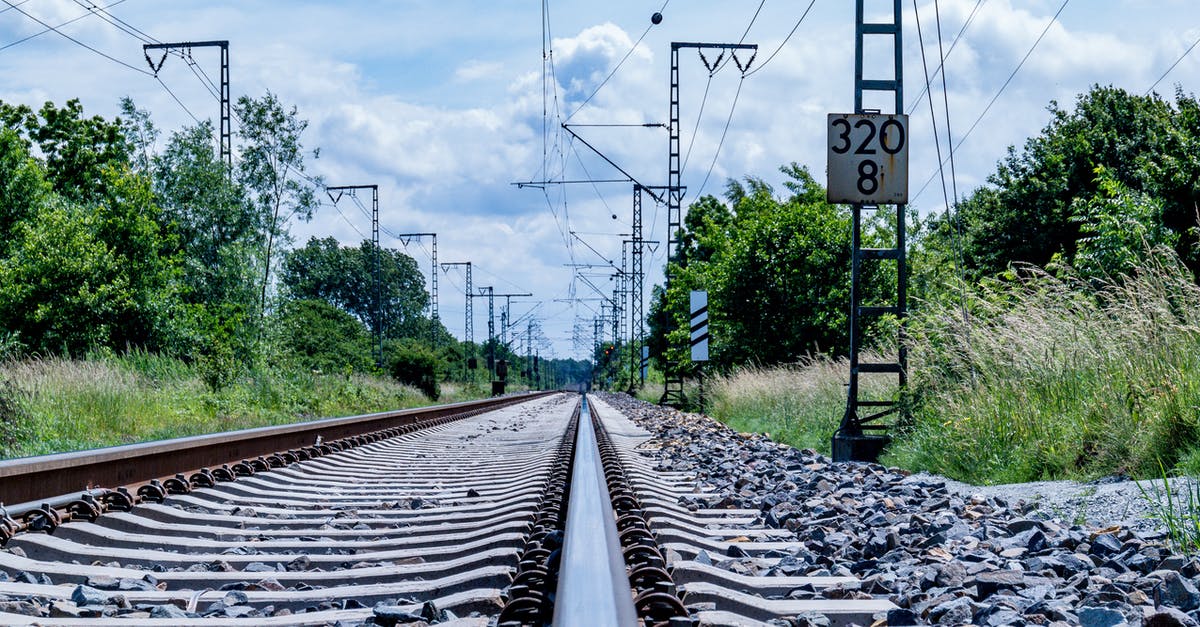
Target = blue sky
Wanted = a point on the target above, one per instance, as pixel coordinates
(441, 103)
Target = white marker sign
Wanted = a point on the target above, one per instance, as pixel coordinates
(699, 306)
(868, 159)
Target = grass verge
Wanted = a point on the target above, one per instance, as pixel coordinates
(53, 405)
(1048, 376)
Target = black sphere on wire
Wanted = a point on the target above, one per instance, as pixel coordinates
(656, 18)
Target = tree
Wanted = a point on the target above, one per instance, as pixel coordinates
(76, 149)
(218, 230)
(344, 277)
(1028, 211)
(23, 186)
(81, 277)
(777, 272)
(324, 338)
(272, 170)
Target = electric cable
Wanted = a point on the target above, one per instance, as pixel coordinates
(785, 40)
(988, 108)
(76, 41)
(1177, 62)
(43, 31)
(618, 65)
(103, 15)
(941, 64)
(946, 103)
(951, 208)
(723, 134)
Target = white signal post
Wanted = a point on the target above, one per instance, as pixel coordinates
(868, 159)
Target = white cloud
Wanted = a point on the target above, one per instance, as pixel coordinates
(475, 69)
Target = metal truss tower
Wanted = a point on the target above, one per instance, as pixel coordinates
(506, 315)
(673, 390)
(470, 323)
(854, 440)
(405, 238)
(376, 271)
(226, 117)
(637, 296)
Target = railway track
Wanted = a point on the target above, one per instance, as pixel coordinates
(530, 511)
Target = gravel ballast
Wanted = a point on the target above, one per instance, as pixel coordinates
(1055, 553)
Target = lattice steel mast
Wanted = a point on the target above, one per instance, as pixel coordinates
(226, 118)
(376, 270)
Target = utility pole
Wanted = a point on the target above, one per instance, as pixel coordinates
(470, 322)
(490, 292)
(405, 238)
(529, 363)
(673, 388)
(376, 271)
(872, 176)
(504, 315)
(226, 118)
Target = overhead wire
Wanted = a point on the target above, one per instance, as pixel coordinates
(937, 11)
(617, 66)
(929, 79)
(76, 41)
(992, 102)
(1177, 62)
(951, 207)
(45, 30)
(785, 40)
(724, 132)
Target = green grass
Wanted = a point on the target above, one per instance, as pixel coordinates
(1054, 378)
(1048, 377)
(800, 404)
(53, 405)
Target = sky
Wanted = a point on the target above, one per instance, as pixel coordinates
(446, 104)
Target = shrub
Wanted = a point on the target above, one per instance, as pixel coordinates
(417, 366)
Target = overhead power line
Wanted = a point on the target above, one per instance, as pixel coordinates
(996, 97)
(617, 66)
(75, 41)
(785, 39)
(1177, 62)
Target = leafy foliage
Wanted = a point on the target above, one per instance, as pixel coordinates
(417, 366)
(776, 269)
(1041, 201)
(343, 276)
(324, 338)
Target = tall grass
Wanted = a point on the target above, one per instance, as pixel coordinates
(52, 405)
(1048, 376)
(800, 404)
(1051, 376)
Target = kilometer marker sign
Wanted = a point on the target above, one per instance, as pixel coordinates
(867, 159)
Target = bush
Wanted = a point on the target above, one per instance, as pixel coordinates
(1053, 376)
(417, 366)
(323, 338)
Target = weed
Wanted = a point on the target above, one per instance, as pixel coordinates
(1179, 515)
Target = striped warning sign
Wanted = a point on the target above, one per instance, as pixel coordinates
(699, 302)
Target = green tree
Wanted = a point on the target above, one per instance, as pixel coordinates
(777, 272)
(272, 170)
(1028, 211)
(76, 149)
(81, 277)
(23, 186)
(324, 338)
(343, 277)
(218, 230)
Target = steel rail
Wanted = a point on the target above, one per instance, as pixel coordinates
(593, 587)
(37, 479)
